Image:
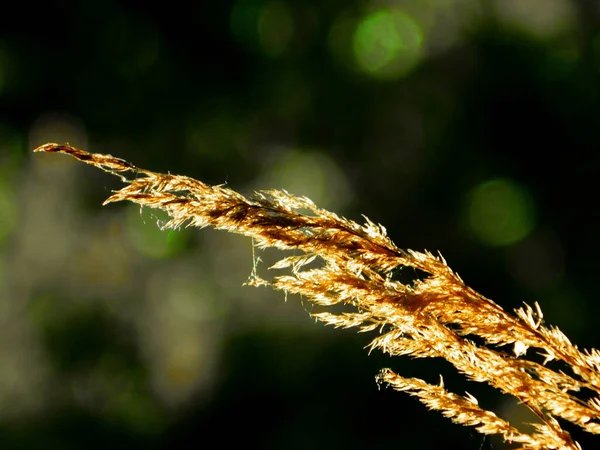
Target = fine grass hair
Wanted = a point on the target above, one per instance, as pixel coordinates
(437, 316)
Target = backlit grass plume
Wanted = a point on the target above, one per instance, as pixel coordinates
(436, 316)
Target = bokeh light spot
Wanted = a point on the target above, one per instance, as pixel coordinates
(387, 44)
(309, 173)
(148, 238)
(61, 127)
(58, 127)
(265, 27)
(500, 212)
(538, 18)
(275, 28)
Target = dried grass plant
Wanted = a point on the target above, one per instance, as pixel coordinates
(437, 316)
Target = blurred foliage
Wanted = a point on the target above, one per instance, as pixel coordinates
(465, 126)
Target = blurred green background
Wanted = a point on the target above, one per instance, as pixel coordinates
(464, 126)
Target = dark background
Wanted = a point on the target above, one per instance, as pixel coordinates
(468, 127)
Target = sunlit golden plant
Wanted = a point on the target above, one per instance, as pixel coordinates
(436, 316)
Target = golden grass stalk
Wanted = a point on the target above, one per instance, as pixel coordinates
(436, 316)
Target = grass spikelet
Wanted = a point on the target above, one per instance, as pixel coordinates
(437, 316)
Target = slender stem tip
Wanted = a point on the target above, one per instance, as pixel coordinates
(51, 147)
